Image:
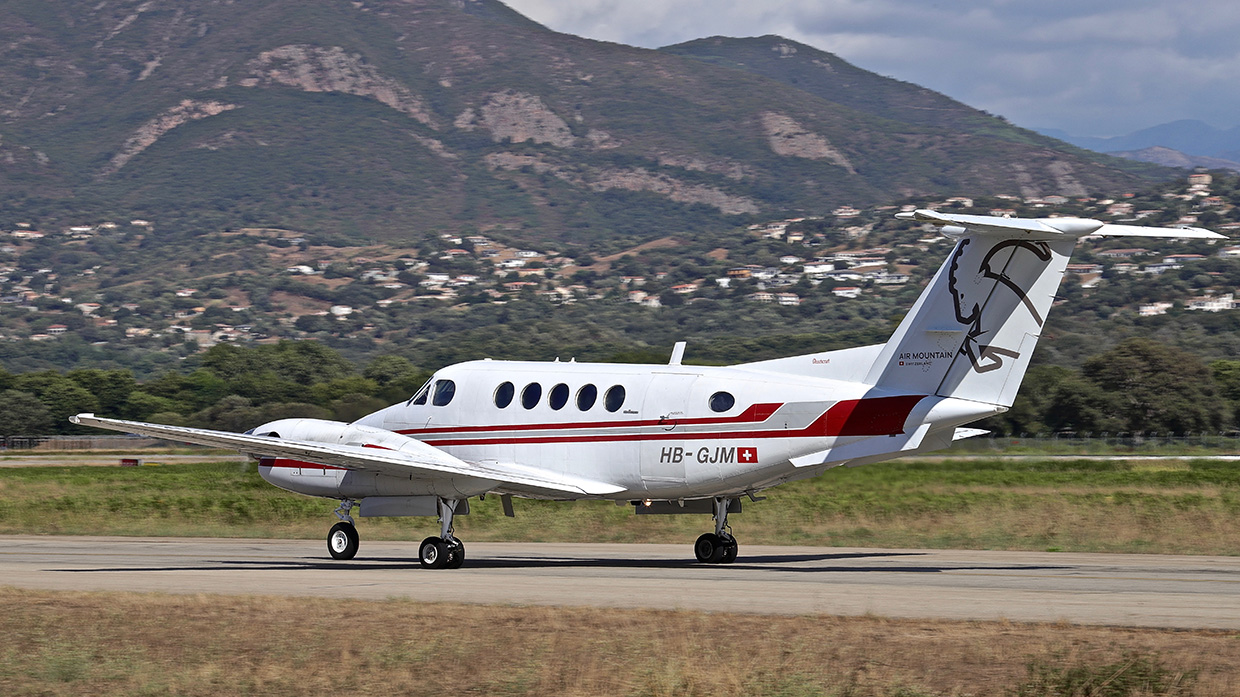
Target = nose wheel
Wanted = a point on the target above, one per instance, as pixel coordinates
(718, 547)
(343, 540)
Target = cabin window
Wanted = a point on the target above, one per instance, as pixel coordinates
(445, 390)
(614, 398)
(558, 396)
(530, 395)
(503, 395)
(419, 397)
(586, 397)
(722, 401)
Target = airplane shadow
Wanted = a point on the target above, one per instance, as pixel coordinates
(773, 562)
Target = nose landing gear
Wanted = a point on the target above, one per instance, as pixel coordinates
(343, 540)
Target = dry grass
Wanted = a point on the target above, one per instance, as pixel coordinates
(122, 644)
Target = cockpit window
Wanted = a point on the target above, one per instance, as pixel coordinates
(503, 394)
(558, 396)
(586, 397)
(614, 399)
(722, 401)
(419, 397)
(444, 391)
(530, 395)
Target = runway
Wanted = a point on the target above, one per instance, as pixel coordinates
(1094, 589)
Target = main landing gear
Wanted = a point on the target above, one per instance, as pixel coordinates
(343, 540)
(445, 551)
(718, 547)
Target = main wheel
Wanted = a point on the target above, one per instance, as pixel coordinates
(729, 552)
(709, 548)
(433, 553)
(342, 541)
(456, 555)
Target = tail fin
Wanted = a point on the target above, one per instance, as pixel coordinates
(973, 330)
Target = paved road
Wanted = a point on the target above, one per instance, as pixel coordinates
(1134, 590)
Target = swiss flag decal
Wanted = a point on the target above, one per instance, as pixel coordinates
(746, 454)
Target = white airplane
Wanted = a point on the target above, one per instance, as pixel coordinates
(685, 439)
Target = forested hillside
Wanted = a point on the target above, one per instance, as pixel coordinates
(391, 120)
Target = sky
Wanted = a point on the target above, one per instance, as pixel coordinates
(1088, 67)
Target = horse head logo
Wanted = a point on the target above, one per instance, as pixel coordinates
(968, 299)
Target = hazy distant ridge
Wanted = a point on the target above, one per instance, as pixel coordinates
(1188, 136)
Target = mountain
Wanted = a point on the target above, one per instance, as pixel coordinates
(1188, 136)
(398, 119)
(1174, 158)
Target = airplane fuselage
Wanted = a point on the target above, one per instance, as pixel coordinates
(659, 431)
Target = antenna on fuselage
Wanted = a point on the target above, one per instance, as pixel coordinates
(678, 352)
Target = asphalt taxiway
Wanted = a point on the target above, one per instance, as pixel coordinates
(1096, 589)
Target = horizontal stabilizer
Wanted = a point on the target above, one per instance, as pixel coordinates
(955, 225)
(419, 459)
(1192, 233)
(962, 433)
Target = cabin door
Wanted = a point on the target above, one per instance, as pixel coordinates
(666, 406)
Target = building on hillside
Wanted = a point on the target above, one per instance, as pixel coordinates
(1122, 253)
(1211, 303)
(1153, 309)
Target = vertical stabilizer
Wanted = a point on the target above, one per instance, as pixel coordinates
(973, 330)
(971, 333)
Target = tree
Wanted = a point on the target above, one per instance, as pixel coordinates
(1150, 386)
(22, 414)
(61, 397)
(385, 369)
(111, 387)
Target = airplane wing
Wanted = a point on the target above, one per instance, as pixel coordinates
(1055, 227)
(416, 459)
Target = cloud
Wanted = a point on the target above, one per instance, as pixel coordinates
(1100, 68)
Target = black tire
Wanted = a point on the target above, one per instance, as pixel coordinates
(432, 553)
(343, 541)
(729, 552)
(708, 549)
(456, 555)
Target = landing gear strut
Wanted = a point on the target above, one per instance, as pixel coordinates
(445, 551)
(718, 547)
(343, 540)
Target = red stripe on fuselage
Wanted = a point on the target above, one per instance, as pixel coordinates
(754, 414)
(877, 416)
(282, 462)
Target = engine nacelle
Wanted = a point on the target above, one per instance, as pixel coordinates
(337, 482)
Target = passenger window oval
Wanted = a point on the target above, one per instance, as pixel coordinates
(445, 390)
(722, 401)
(614, 399)
(530, 395)
(558, 396)
(586, 397)
(503, 394)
